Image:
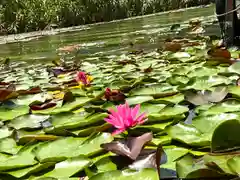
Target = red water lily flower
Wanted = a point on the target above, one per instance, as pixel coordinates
(83, 78)
(125, 117)
(114, 95)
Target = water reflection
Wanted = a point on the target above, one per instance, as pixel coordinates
(108, 38)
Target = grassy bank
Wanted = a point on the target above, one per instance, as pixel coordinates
(31, 15)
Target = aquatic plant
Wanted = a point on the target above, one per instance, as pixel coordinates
(125, 117)
(83, 78)
(114, 95)
(32, 15)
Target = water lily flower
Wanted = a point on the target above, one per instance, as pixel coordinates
(83, 78)
(125, 117)
(114, 95)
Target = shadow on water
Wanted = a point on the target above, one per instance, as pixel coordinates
(108, 39)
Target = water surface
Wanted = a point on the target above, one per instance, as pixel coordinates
(107, 38)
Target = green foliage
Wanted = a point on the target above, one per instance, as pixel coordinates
(31, 15)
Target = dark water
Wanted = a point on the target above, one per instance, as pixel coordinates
(109, 38)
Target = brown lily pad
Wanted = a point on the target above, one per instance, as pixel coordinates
(8, 93)
(205, 97)
(173, 46)
(33, 90)
(219, 52)
(130, 147)
(36, 106)
(114, 95)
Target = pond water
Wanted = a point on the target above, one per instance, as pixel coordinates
(107, 38)
(51, 114)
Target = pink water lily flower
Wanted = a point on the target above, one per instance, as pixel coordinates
(83, 78)
(125, 117)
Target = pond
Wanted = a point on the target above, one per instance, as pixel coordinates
(147, 98)
(104, 38)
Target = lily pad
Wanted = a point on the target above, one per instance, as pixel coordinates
(9, 146)
(156, 91)
(138, 99)
(188, 134)
(30, 121)
(149, 174)
(187, 167)
(71, 120)
(22, 159)
(234, 164)
(71, 147)
(30, 170)
(168, 113)
(225, 136)
(11, 113)
(69, 167)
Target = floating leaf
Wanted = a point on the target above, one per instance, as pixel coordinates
(149, 174)
(7, 113)
(168, 113)
(188, 167)
(130, 147)
(156, 91)
(23, 158)
(9, 146)
(30, 170)
(138, 99)
(188, 134)
(71, 147)
(71, 120)
(234, 164)
(31, 121)
(226, 132)
(229, 105)
(8, 93)
(204, 97)
(69, 167)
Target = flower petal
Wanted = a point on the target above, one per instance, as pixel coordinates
(141, 118)
(118, 131)
(135, 111)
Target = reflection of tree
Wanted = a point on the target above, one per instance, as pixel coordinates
(31, 15)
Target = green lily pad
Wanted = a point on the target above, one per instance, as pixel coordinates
(28, 121)
(206, 82)
(234, 164)
(207, 124)
(187, 167)
(71, 120)
(163, 140)
(149, 174)
(177, 80)
(79, 102)
(5, 132)
(11, 113)
(225, 136)
(235, 68)
(173, 153)
(230, 105)
(71, 147)
(175, 99)
(188, 134)
(138, 99)
(168, 113)
(69, 167)
(105, 164)
(218, 161)
(22, 159)
(203, 71)
(9, 146)
(30, 170)
(151, 108)
(157, 91)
